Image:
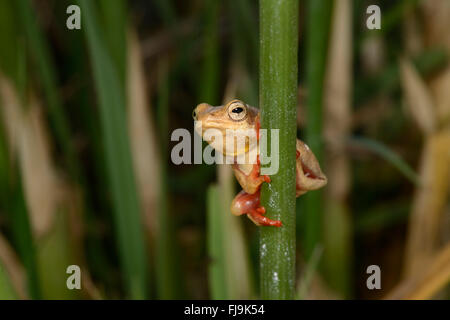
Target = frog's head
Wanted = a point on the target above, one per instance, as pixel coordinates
(235, 116)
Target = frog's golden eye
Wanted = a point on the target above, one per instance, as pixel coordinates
(237, 111)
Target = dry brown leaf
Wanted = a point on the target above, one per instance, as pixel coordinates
(431, 109)
(29, 140)
(142, 134)
(418, 98)
(41, 184)
(45, 192)
(338, 82)
(425, 284)
(437, 25)
(436, 22)
(440, 87)
(429, 202)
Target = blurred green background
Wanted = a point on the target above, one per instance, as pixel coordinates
(85, 139)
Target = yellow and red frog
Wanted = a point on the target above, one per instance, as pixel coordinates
(236, 115)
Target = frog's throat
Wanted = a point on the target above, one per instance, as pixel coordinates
(239, 152)
(234, 150)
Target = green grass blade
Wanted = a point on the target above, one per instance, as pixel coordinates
(382, 216)
(244, 29)
(126, 208)
(54, 254)
(318, 25)
(337, 242)
(216, 247)
(167, 12)
(47, 75)
(208, 89)
(113, 14)
(169, 280)
(308, 275)
(388, 155)
(8, 36)
(23, 239)
(6, 290)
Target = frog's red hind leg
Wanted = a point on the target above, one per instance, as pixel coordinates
(249, 204)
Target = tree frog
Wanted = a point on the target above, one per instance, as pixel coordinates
(236, 115)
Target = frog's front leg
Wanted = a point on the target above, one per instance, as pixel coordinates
(250, 182)
(245, 203)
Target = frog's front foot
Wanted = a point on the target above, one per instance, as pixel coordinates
(249, 204)
(255, 174)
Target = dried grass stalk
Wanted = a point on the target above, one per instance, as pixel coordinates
(432, 196)
(426, 284)
(337, 127)
(429, 202)
(337, 113)
(45, 191)
(29, 141)
(418, 99)
(436, 24)
(142, 134)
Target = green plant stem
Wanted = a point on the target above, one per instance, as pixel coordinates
(278, 102)
(319, 16)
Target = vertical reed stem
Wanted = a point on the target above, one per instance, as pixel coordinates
(278, 102)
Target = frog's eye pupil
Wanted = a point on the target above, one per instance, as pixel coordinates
(237, 111)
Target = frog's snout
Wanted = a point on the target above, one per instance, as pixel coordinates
(199, 109)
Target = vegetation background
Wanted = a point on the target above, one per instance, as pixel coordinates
(85, 174)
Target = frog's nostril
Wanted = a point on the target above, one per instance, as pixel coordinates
(194, 115)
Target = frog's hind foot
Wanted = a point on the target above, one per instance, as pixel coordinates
(249, 204)
(258, 218)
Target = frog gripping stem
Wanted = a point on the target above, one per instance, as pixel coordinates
(257, 216)
(255, 174)
(245, 203)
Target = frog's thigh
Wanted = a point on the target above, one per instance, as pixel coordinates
(243, 203)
